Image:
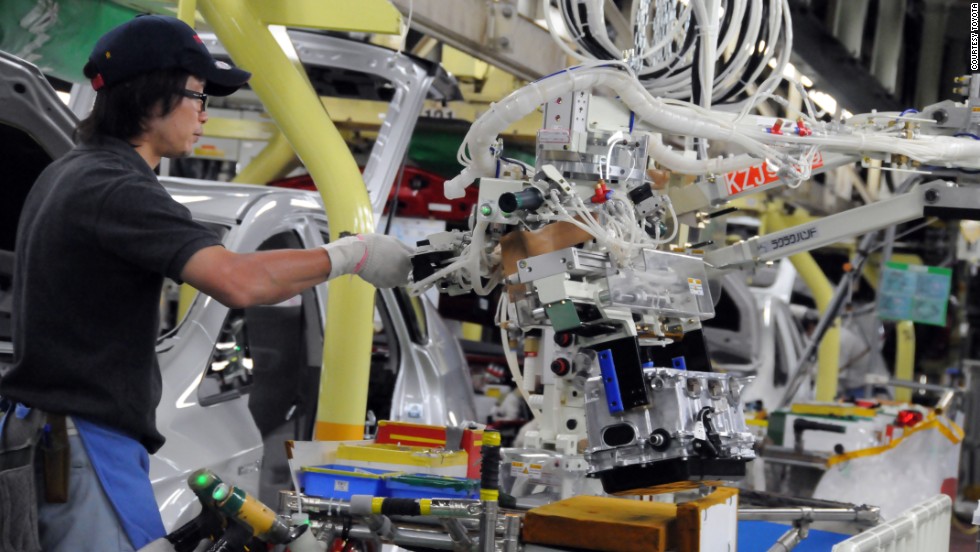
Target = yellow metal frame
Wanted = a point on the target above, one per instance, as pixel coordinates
(904, 330)
(275, 161)
(828, 353)
(472, 331)
(185, 298)
(372, 16)
(243, 28)
(904, 357)
(240, 129)
(948, 428)
(828, 356)
(872, 269)
(186, 11)
(773, 219)
(366, 115)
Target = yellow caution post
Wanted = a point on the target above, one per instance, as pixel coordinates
(242, 26)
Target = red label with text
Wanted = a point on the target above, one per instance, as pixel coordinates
(758, 176)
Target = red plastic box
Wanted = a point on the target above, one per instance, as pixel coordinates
(422, 435)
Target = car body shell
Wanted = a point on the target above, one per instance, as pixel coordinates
(760, 340)
(432, 387)
(432, 383)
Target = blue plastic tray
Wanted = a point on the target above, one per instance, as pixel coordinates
(760, 536)
(341, 482)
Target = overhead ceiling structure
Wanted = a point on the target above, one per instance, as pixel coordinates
(867, 54)
(835, 69)
(499, 33)
(884, 54)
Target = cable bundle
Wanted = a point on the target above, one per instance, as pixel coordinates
(680, 47)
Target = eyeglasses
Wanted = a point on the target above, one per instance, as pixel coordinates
(196, 96)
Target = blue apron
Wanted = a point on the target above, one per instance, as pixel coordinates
(123, 468)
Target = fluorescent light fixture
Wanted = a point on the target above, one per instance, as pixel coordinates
(826, 102)
(792, 73)
(789, 72)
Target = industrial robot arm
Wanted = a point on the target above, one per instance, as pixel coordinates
(937, 198)
(609, 313)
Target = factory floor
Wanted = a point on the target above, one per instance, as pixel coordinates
(962, 542)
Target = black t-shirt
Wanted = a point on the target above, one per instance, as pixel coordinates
(96, 237)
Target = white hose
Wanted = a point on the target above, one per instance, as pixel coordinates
(683, 164)
(776, 76)
(707, 17)
(510, 355)
(597, 23)
(670, 77)
(729, 77)
(668, 37)
(519, 103)
(546, 10)
(930, 150)
(670, 118)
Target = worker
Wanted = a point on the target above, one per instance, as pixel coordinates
(97, 236)
(859, 358)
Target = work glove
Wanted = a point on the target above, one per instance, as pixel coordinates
(382, 261)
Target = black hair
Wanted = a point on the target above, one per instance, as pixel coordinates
(122, 110)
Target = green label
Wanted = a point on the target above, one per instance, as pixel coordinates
(562, 315)
(914, 292)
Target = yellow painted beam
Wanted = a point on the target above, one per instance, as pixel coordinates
(464, 66)
(872, 270)
(472, 331)
(275, 161)
(363, 16)
(355, 114)
(186, 10)
(185, 298)
(480, 82)
(287, 95)
(774, 214)
(904, 357)
(904, 330)
(167, 7)
(424, 46)
(367, 115)
(239, 129)
(482, 29)
(828, 352)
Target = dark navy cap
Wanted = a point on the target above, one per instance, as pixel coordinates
(153, 42)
